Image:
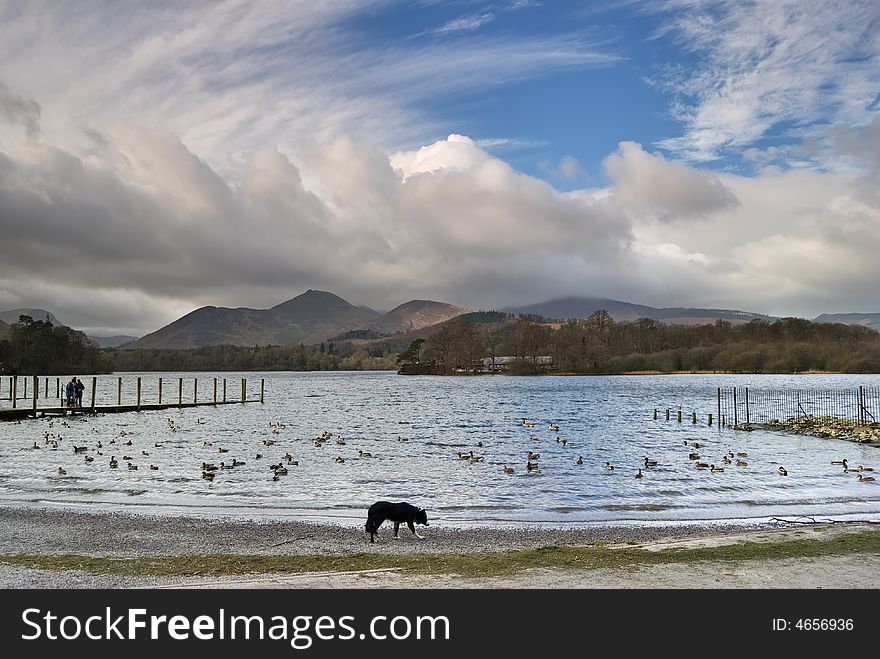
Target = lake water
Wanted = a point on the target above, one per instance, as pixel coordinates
(605, 419)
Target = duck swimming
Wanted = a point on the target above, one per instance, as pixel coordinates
(650, 463)
(579, 461)
(639, 474)
(783, 471)
(507, 470)
(534, 456)
(609, 466)
(532, 466)
(742, 455)
(364, 454)
(554, 427)
(62, 471)
(715, 469)
(742, 463)
(340, 460)
(866, 479)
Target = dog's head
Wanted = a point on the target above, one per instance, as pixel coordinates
(421, 516)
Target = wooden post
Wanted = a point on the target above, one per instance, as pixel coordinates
(46, 393)
(667, 414)
(179, 392)
(25, 388)
(224, 390)
(57, 387)
(719, 405)
(262, 388)
(13, 385)
(160, 391)
(36, 390)
(679, 415)
(195, 390)
(710, 419)
(215, 392)
(94, 388)
(747, 405)
(138, 394)
(694, 418)
(243, 389)
(119, 391)
(655, 414)
(735, 411)
(861, 405)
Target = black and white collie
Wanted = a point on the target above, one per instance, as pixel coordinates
(398, 513)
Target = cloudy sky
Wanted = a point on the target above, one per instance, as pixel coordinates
(156, 157)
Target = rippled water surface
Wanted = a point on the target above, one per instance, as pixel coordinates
(604, 419)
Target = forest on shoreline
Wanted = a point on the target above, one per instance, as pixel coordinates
(597, 345)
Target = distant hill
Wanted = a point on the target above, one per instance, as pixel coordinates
(4, 330)
(414, 315)
(308, 318)
(10, 317)
(581, 307)
(871, 320)
(112, 341)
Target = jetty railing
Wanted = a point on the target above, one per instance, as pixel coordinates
(736, 405)
(22, 396)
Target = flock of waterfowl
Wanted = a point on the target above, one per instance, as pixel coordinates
(121, 443)
(729, 458)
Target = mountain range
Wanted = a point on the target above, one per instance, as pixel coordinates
(581, 307)
(316, 316)
(312, 317)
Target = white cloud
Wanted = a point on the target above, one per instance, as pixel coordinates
(767, 66)
(466, 23)
(666, 189)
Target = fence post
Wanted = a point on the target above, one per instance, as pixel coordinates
(748, 418)
(262, 387)
(25, 388)
(710, 419)
(224, 390)
(195, 390)
(215, 392)
(719, 406)
(57, 387)
(862, 416)
(735, 416)
(94, 388)
(119, 391)
(14, 395)
(179, 392)
(36, 389)
(160, 391)
(138, 394)
(243, 389)
(46, 393)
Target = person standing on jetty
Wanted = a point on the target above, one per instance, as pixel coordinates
(78, 389)
(69, 391)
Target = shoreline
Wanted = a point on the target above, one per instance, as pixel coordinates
(42, 548)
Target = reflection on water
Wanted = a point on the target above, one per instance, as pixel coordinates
(604, 419)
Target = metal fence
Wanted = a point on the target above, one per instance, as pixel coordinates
(743, 405)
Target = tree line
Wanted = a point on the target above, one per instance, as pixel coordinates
(600, 345)
(594, 345)
(39, 347)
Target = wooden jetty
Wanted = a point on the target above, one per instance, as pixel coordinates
(23, 407)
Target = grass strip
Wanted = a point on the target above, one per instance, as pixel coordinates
(485, 564)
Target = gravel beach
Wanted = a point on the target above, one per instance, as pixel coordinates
(45, 531)
(56, 532)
